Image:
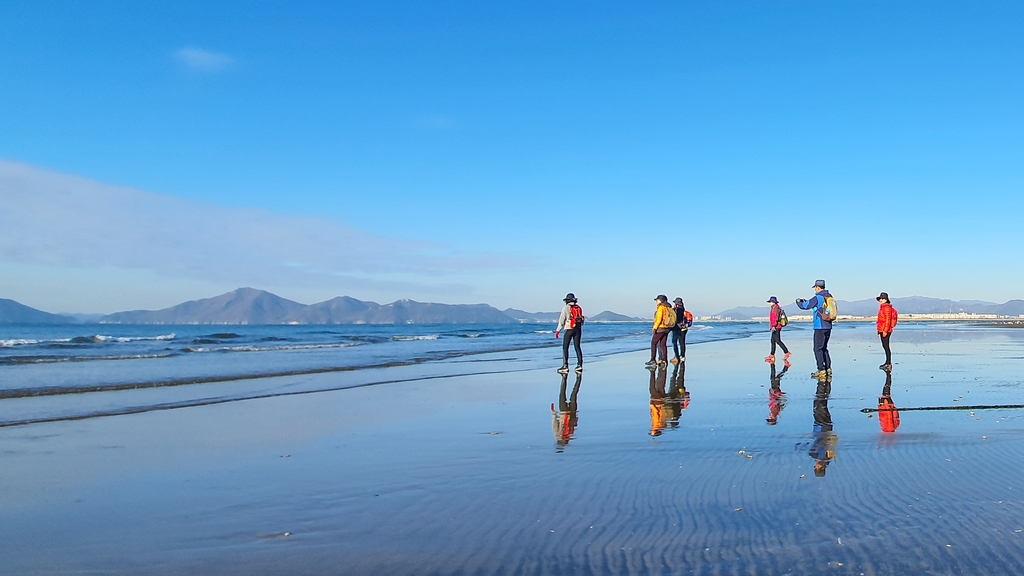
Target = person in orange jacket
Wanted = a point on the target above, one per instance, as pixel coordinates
(887, 318)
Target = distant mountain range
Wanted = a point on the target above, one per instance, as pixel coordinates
(12, 312)
(251, 306)
(908, 305)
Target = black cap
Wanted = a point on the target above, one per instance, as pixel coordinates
(883, 296)
(662, 298)
(819, 283)
(678, 301)
(570, 297)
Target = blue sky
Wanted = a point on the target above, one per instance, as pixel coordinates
(470, 152)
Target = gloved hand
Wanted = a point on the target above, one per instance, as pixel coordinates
(556, 334)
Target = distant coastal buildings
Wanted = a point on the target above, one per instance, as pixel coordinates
(955, 317)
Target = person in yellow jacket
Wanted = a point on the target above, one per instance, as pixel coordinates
(664, 321)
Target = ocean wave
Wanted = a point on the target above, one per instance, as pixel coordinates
(412, 338)
(58, 359)
(369, 339)
(20, 342)
(95, 339)
(470, 335)
(199, 349)
(102, 338)
(543, 331)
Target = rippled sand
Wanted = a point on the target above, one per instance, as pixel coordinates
(495, 473)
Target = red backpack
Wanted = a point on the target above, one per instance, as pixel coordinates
(575, 317)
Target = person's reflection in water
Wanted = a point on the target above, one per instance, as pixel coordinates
(658, 409)
(564, 420)
(823, 447)
(888, 414)
(776, 397)
(678, 398)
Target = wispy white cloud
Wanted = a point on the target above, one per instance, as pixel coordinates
(203, 60)
(57, 220)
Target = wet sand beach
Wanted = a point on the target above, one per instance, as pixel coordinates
(474, 474)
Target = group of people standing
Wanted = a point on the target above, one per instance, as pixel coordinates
(675, 320)
(824, 312)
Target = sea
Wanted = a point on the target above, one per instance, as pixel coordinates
(66, 372)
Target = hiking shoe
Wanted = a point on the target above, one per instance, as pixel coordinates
(662, 363)
(769, 359)
(682, 358)
(579, 367)
(787, 355)
(819, 374)
(828, 371)
(886, 367)
(675, 360)
(651, 363)
(564, 369)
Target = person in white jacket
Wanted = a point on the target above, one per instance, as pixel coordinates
(571, 322)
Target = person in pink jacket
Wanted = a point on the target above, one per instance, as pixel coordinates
(775, 321)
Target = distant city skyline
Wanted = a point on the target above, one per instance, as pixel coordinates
(467, 153)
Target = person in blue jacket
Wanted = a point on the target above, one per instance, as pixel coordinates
(822, 328)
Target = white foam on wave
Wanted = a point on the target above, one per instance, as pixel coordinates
(269, 348)
(411, 338)
(102, 338)
(17, 342)
(543, 331)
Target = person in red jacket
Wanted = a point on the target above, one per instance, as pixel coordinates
(775, 316)
(887, 317)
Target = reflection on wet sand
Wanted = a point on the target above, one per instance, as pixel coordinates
(658, 411)
(564, 419)
(888, 414)
(776, 397)
(824, 440)
(667, 404)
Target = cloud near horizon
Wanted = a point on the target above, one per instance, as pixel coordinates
(203, 60)
(53, 219)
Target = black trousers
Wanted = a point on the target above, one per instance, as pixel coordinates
(573, 334)
(659, 343)
(821, 356)
(777, 339)
(679, 342)
(885, 346)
